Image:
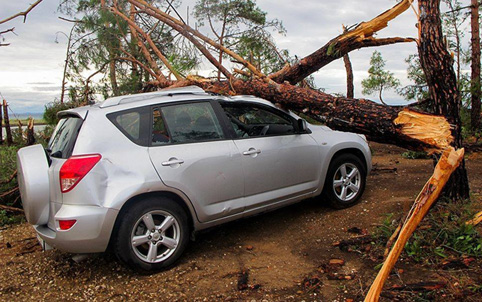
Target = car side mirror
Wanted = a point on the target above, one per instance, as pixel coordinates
(302, 126)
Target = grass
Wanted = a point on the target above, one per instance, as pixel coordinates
(442, 234)
(8, 165)
(14, 122)
(6, 219)
(415, 155)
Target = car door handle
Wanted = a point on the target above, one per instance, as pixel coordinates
(172, 162)
(252, 151)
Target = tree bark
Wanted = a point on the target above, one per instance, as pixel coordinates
(475, 65)
(30, 132)
(7, 124)
(350, 88)
(385, 124)
(112, 75)
(437, 64)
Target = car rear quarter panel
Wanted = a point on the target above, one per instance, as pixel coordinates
(125, 170)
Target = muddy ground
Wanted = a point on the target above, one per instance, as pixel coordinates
(284, 254)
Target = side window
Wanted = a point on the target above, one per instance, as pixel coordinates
(133, 123)
(253, 121)
(186, 123)
(160, 136)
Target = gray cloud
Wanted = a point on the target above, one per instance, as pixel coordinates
(32, 65)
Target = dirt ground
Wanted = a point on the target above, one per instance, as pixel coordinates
(284, 254)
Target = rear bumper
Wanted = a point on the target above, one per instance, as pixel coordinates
(90, 234)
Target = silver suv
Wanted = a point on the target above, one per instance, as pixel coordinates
(141, 173)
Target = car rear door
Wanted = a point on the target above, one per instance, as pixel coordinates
(191, 152)
(278, 163)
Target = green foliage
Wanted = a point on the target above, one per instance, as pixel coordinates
(444, 234)
(415, 155)
(8, 165)
(378, 78)
(419, 90)
(99, 44)
(386, 229)
(243, 27)
(6, 219)
(51, 110)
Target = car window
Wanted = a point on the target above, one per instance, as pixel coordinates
(133, 123)
(185, 123)
(253, 121)
(160, 136)
(130, 122)
(63, 139)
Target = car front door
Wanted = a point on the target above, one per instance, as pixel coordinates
(278, 163)
(191, 153)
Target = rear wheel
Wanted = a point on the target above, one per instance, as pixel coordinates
(153, 234)
(345, 181)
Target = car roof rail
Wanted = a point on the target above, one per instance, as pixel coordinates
(125, 99)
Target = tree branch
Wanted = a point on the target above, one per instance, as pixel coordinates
(148, 39)
(188, 32)
(358, 37)
(7, 31)
(24, 13)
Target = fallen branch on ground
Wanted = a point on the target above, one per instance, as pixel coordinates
(447, 164)
(9, 179)
(476, 220)
(11, 209)
(9, 192)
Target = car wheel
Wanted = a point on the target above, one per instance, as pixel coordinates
(345, 181)
(152, 234)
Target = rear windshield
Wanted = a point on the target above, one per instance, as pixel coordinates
(63, 139)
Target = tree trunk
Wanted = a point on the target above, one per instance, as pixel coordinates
(350, 88)
(475, 77)
(30, 132)
(437, 64)
(113, 76)
(385, 124)
(7, 124)
(66, 64)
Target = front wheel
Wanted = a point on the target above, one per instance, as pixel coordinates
(152, 235)
(345, 181)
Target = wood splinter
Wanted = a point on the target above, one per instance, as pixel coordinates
(447, 164)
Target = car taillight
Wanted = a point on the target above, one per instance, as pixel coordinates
(75, 168)
(66, 224)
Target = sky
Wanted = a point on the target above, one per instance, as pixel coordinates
(31, 67)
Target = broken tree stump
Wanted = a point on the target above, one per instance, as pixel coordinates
(447, 164)
(7, 124)
(30, 132)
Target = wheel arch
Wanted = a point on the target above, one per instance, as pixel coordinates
(357, 152)
(191, 215)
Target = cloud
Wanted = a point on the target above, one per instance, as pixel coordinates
(31, 67)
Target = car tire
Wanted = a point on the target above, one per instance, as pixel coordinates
(152, 234)
(345, 181)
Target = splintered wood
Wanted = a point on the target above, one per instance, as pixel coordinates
(447, 164)
(430, 129)
(476, 220)
(367, 29)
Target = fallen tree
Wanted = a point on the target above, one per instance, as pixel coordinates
(402, 126)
